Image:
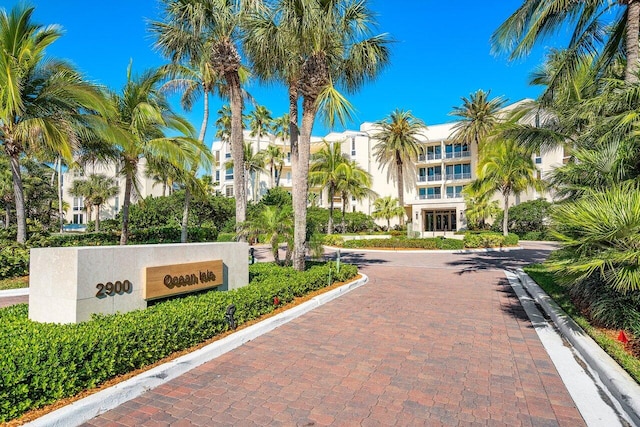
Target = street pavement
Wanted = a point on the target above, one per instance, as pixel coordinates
(432, 339)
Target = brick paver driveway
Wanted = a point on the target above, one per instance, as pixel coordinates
(432, 339)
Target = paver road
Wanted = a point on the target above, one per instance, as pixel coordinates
(432, 339)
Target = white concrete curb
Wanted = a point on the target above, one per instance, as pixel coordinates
(14, 292)
(616, 379)
(85, 409)
(427, 251)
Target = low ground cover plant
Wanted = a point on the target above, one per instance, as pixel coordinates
(398, 243)
(489, 240)
(42, 363)
(591, 307)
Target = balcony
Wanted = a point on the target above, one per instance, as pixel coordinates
(435, 177)
(422, 178)
(457, 176)
(457, 155)
(429, 196)
(454, 196)
(429, 157)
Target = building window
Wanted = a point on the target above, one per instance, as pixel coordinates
(538, 159)
(434, 152)
(217, 176)
(434, 173)
(227, 155)
(78, 218)
(288, 175)
(430, 193)
(456, 151)
(78, 204)
(353, 146)
(441, 220)
(454, 192)
(229, 191)
(460, 171)
(228, 174)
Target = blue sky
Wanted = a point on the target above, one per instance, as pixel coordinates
(442, 53)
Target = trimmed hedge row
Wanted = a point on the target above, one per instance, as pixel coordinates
(395, 243)
(42, 363)
(489, 240)
(14, 261)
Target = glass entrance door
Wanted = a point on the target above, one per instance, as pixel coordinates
(440, 220)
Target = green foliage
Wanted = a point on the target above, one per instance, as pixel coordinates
(526, 217)
(356, 222)
(489, 240)
(41, 363)
(600, 235)
(14, 261)
(276, 197)
(560, 294)
(332, 239)
(226, 237)
(397, 243)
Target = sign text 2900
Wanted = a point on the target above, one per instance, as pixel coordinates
(111, 289)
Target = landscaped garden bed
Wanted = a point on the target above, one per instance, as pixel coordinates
(626, 354)
(471, 240)
(43, 363)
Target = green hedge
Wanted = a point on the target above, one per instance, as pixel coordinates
(489, 240)
(42, 363)
(396, 243)
(14, 261)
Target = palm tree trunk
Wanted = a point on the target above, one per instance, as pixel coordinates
(184, 231)
(279, 175)
(275, 250)
(505, 217)
(18, 193)
(300, 166)
(330, 224)
(345, 198)
(632, 48)
(400, 185)
(7, 214)
(60, 210)
(97, 218)
(271, 168)
(235, 96)
(164, 188)
(128, 182)
(205, 117)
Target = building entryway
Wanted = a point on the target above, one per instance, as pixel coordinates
(440, 220)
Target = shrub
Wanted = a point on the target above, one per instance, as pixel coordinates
(226, 237)
(14, 261)
(41, 363)
(489, 240)
(525, 217)
(395, 243)
(332, 240)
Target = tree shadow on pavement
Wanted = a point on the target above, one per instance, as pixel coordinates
(513, 307)
(510, 260)
(359, 259)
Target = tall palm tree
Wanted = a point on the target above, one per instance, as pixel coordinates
(479, 117)
(41, 100)
(536, 19)
(387, 208)
(260, 122)
(354, 182)
(398, 147)
(507, 168)
(312, 46)
(214, 23)
(223, 124)
(280, 127)
(274, 156)
(143, 114)
(328, 166)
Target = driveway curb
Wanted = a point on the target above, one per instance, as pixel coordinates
(616, 379)
(427, 251)
(14, 292)
(85, 409)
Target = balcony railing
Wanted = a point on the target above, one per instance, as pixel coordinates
(429, 156)
(453, 176)
(422, 178)
(429, 196)
(457, 155)
(454, 195)
(436, 177)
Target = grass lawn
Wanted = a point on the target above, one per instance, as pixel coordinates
(14, 283)
(606, 338)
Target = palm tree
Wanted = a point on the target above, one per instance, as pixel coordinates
(328, 166)
(223, 124)
(536, 19)
(260, 122)
(353, 182)
(40, 100)
(280, 127)
(96, 190)
(479, 117)
(214, 25)
(479, 207)
(398, 147)
(508, 168)
(143, 114)
(387, 208)
(311, 47)
(274, 156)
(275, 223)
(600, 234)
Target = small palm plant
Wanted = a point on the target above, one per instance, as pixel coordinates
(600, 234)
(387, 208)
(274, 224)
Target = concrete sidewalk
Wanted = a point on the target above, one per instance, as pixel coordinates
(424, 343)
